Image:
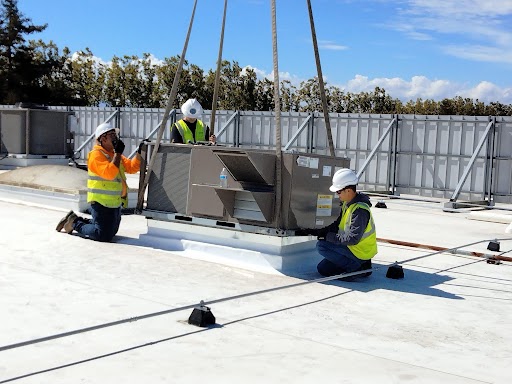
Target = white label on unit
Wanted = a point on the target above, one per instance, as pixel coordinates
(303, 161)
(326, 170)
(319, 222)
(324, 205)
(313, 162)
(315, 176)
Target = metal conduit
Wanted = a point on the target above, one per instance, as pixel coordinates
(235, 297)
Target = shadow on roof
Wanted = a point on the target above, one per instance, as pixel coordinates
(416, 282)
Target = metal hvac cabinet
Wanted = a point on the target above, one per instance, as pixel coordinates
(185, 180)
(169, 180)
(250, 193)
(36, 132)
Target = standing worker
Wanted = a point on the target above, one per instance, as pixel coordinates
(349, 243)
(107, 190)
(190, 129)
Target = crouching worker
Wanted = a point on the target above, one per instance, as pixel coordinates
(349, 243)
(107, 190)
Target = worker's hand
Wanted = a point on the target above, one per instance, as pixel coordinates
(332, 237)
(212, 139)
(119, 147)
(139, 150)
(306, 232)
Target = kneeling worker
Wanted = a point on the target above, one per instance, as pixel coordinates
(349, 243)
(190, 129)
(107, 190)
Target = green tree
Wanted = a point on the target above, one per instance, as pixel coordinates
(289, 97)
(308, 96)
(264, 95)
(53, 80)
(150, 93)
(237, 87)
(19, 73)
(87, 76)
(165, 74)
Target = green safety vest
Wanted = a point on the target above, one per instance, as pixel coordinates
(107, 192)
(367, 246)
(186, 133)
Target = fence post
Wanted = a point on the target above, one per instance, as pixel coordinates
(118, 117)
(489, 169)
(236, 133)
(311, 133)
(393, 144)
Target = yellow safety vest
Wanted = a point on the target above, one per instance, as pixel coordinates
(186, 133)
(109, 193)
(367, 246)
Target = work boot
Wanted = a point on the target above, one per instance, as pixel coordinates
(68, 225)
(366, 265)
(63, 221)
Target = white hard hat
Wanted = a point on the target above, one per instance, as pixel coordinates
(104, 128)
(192, 108)
(343, 178)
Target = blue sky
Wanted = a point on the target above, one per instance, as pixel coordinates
(411, 48)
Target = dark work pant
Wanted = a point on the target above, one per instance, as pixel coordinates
(103, 226)
(337, 259)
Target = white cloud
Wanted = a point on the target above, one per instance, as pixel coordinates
(480, 53)
(262, 74)
(417, 87)
(425, 88)
(331, 45)
(95, 59)
(259, 73)
(476, 23)
(155, 61)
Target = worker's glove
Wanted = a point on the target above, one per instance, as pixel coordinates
(332, 237)
(306, 232)
(119, 147)
(139, 150)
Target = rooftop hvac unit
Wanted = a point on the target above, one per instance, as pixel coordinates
(26, 131)
(185, 181)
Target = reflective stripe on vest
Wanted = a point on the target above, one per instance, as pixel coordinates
(109, 193)
(367, 246)
(186, 133)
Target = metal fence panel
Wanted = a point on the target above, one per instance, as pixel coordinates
(432, 152)
(503, 181)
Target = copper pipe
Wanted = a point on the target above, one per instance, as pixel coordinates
(441, 249)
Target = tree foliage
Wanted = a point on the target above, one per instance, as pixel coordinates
(19, 70)
(37, 71)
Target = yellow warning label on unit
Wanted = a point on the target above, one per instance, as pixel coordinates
(324, 205)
